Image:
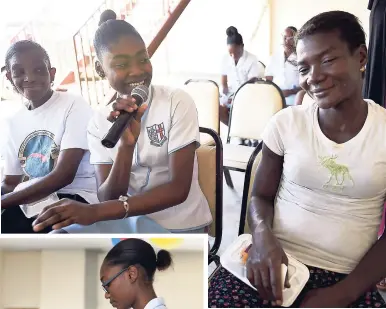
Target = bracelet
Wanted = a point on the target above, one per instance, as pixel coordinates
(124, 199)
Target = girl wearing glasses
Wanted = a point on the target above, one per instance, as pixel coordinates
(127, 274)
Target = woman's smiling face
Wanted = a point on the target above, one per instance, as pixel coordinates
(126, 64)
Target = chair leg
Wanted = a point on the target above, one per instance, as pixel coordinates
(228, 178)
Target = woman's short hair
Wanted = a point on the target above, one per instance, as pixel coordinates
(23, 46)
(348, 25)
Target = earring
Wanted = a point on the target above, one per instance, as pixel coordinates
(101, 73)
(52, 84)
(362, 69)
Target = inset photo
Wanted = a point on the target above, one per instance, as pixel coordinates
(102, 273)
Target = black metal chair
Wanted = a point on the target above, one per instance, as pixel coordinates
(210, 173)
(250, 172)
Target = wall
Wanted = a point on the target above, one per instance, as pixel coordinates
(70, 279)
(20, 280)
(297, 12)
(62, 279)
(197, 42)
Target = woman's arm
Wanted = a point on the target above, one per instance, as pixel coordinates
(172, 193)
(10, 182)
(266, 254)
(224, 84)
(267, 179)
(62, 175)
(370, 270)
(113, 180)
(167, 195)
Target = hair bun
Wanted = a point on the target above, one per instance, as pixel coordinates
(107, 15)
(231, 31)
(164, 260)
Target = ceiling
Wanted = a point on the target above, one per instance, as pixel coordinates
(69, 242)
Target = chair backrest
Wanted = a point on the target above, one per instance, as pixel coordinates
(254, 103)
(206, 96)
(210, 178)
(307, 100)
(250, 174)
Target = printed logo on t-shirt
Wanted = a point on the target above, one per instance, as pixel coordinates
(339, 174)
(157, 134)
(37, 154)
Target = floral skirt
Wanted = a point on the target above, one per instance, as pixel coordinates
(227, 291)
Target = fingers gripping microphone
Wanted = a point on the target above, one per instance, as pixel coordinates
(140, 94)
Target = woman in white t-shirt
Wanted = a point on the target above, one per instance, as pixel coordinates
(320, 187)
(46, 142)
(153, 169)
(238, 67)
(127, 274)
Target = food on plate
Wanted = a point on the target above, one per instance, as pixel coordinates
(244, 254)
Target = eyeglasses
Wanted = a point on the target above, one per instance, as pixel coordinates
(105, 285)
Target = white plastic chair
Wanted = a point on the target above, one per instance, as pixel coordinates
(254, 103)
(206, 96)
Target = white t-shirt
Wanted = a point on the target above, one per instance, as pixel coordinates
(37, 136)
(285, 72)
(156, 303)
(330, 199)
(169, 124)
(247, 67)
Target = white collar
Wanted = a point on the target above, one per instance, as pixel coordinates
(156, 303)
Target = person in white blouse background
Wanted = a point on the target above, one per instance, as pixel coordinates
(238, 67)
(127, 274)
(282, 68)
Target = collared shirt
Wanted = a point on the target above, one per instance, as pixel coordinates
(156, 303)
(246, 68)
(169, 124)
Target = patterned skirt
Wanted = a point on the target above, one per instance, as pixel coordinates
(227, 291)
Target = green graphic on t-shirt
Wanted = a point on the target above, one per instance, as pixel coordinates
(338, 173)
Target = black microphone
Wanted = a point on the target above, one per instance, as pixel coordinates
(140, 94)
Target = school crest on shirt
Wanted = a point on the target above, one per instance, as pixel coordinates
(38, 154)
(156, 134)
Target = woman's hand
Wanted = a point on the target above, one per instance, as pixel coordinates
(127, 104)
(264, 266)
(64, 213)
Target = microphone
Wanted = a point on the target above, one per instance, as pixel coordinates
(140, 94)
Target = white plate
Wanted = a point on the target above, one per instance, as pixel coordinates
(298, 272)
